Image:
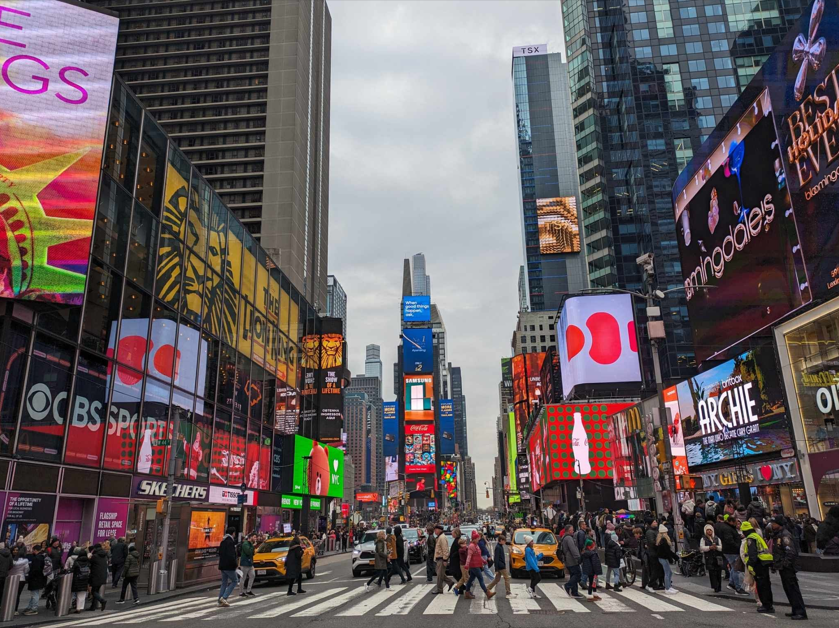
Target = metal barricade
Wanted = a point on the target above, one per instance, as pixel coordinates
(153, 577)
(63, 594)
(10, 596)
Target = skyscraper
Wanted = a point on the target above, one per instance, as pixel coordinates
(650, 79)
(243, 87)
(359, 423)
(373, 363)
(549, 190)
(461, 438)
(421, 281)
(336, 301)
(372, 388)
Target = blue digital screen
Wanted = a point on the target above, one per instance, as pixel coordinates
(417, 351)
(416, 309)
(390, 428)
(446, 427)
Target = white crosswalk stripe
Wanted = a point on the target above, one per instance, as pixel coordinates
(442, 604)
(142, 613)
(481, 606)
(299, 602)
(697, 603)
(557, 596)
(406, 602)
(522, 604)
(334, 602)
(650, 602)
(608, 604)
(214, 608)
(369, 603)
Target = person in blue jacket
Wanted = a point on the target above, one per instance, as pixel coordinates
(531, 564)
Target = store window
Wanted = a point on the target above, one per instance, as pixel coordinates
(15, 366)
(814, 354)
(828, 492)
(88, 419)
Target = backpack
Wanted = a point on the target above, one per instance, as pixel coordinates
(81, 571)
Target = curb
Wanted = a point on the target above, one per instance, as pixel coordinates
(786, 603)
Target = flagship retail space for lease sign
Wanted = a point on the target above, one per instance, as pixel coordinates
(55, 84)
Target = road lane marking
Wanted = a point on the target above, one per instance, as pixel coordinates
(215, 607)
(560, 599)
(608, 604)
(334, 602)
(144, 610)
(405, 603)
(299, 602)
(371, 602)
(698, 603)
(650, 602)
(481, 606)
(442, 604)
(523, 603)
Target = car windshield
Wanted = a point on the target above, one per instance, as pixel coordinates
(369, 537)
(539, 538)
(274, 546)
(410, 534)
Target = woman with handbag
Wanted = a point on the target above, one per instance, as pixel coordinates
(711, 547)
(666, 555)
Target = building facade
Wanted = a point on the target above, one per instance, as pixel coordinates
(549, 190)
(373, 362)
(358, 423)
(243, 88)
(372, 388)
(535, 332)
(336, 301)
(461, 437)
(421, 282)
(649, 80)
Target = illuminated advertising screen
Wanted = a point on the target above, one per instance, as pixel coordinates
(535, 458)
(526, 371)
(54, 105)
(675, 432)
(631, 451)
(416, 309)
(578, 441)
(559, 230)
(367, 497)
(318, 468)
(420, 448)
(448, 478)
(417, 351)
(733, 410)
(736, 233)
(421, 486)
(206, 531)
(419, 398)
(446, 422)
(390, 428)
(511, 451)
(391, 468)
(597, 343)
(323, 374)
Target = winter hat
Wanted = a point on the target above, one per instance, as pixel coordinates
(662, 529)
(746, 527)
(589, 543)
(709, 527)
(528, 539)
(475, 535)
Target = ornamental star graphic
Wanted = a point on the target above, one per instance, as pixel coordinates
(28, 233)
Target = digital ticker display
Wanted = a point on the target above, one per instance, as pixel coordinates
(53, 115)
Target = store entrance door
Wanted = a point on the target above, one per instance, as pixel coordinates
(234, 520)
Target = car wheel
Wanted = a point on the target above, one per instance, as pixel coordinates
(355, 574)
(311, 573)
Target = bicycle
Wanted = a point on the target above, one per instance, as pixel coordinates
(628, 571)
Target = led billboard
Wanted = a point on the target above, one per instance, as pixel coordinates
(420, 448)
(448, 478)
(511, 452)
(416, 309)
(559, 231)
(419, 398)
(417, 351)
(323, 375)
(597, 342)
(390, 428)
(318, 468)
(527, 387)
(446, 427)
(57, 84)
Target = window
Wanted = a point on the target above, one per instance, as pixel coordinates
(636, 3)
(553, 338)
(123, 138)
(684, 152)
(643, 52)
(719, 45)
(716, 27)
(689, 30)
(728, 99)
(722, 63)
(112, 224)
(641, 34)
(104, 289)
(703, 102)
(533, 339)
(693, 47)
(697, 65)
(713, 9)
(726, 81)
(687, 12)
(638, 18)
(700, 83)
(542, 339)
(85, 435)
(707, 121)
(668, 50)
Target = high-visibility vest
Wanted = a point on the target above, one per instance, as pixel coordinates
(762, 549)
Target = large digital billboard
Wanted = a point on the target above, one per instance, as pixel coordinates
(527, 387)
(323, 375)
(733, 410)
(446, 427)
(318, 468)
(416, 309)
(420, 448)
(417, 351)
(53, 115)
(419, 398)
(512, 452)
(597, 342)
(448, 478)
(559, 230)
(390, 428)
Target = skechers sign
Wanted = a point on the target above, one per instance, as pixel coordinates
(416, 309)
(417, 351)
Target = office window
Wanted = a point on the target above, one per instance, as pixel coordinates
(643, 52)
(668, 50)
(719, 45)
(687, 12)
(638, 18)
(636, 3)
(726, 81)
(722, 63)
(700, 83)
(707, 121)
(689, 30)
(703, 102)
(728, 99)
(697, 65)
(713, 9)
(641, 34)
(694, 47)
(716, 27)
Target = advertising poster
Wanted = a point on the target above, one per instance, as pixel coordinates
(535, 458)
(559, 231)
(419, 398)
(448, 478)
(391, 468)
(446, 427)
(511, 452)
(631, 450)
(111, 519)
(318, 468)
(417, 351)
(420, 486)
(54, 105)
(734, 410)
(390, 428)
(416, 309)
(420, 448)
(27, 518)
(206, 531)
(675, 431)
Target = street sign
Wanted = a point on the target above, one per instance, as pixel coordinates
(161, 442)
(241, 498)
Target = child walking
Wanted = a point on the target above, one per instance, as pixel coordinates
(591, 568)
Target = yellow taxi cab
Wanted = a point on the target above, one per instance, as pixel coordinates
(544, 542)
(269, 558)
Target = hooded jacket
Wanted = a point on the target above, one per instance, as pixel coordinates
(828, 530)
(531, 559)
(613, 552)
(99, 567)
(590, 563)
(37, 579)
(5, 562)
(707, 543)
(132, 563)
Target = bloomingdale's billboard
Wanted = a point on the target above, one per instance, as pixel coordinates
(756, 207)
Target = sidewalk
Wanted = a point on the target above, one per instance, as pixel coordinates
(818, 589)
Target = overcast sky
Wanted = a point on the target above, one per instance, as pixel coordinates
(423, 159)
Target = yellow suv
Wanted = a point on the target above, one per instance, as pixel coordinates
(269, 558)
(544, 542)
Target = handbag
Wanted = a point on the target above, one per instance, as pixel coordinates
(490, 563)
(739, 565)
(720, 561)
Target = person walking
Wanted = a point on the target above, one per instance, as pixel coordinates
(130, 574)
(483, 544)
(381, 559)
(404, 570)
(294, 566)
(475, 563)
(246, 565)
(571, 559)
(784, 558)
(430, 546)
(531, 565)
(80, 568)
(227, 564)
(665, 554)
(37, 580)
(441, 557)
(392, 563)
(613, 553)
(20, 567)
(591, 567)
(462, 554)
(730, 538)
(501, 560)
(98, 575)
(758, 560)
(119, 554)
(711, 547)
(6, 562)
(53, 554)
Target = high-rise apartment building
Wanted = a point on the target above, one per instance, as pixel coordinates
(336, 301)
(534, 333)
(372, 388)
(421, 281)
(549, 189)
(461, 438)
(359, 424)
(649, 80)
(373, 362)
(243, 87)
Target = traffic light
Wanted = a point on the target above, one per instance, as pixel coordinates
(487, 493)
(161, 506)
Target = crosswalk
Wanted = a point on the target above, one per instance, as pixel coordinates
(411, 599)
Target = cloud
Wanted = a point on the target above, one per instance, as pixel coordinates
(423, 159)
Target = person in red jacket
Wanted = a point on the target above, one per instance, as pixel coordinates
(475, 564)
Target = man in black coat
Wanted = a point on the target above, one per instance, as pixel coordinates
(228, 562)
(37, 579)
(119, 552)
(784, 557)
(98, 574)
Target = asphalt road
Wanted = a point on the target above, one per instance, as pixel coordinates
(334, 598)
